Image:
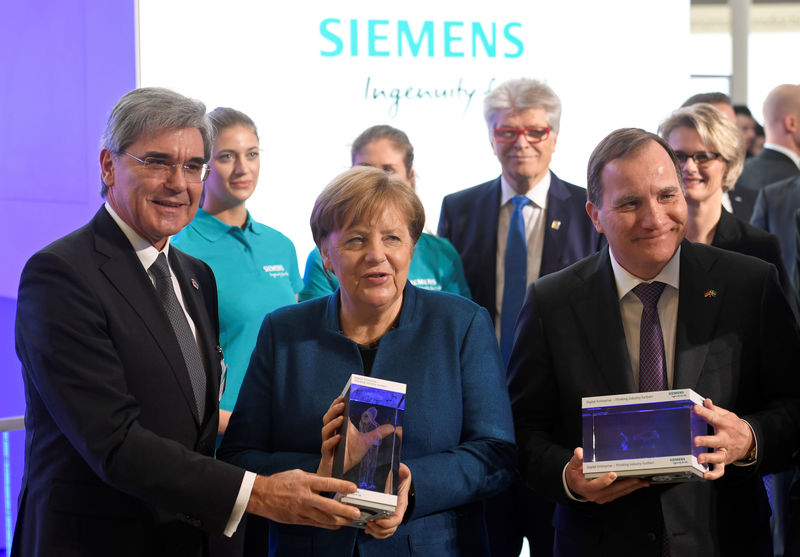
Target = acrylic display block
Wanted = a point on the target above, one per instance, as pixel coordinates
(368, 453)
(647, 435)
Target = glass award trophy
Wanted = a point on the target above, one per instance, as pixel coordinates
(646, 435)
(368, 453)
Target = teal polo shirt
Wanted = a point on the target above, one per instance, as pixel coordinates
(435, 266)
(256, 271)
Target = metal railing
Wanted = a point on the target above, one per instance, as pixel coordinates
(13, 423)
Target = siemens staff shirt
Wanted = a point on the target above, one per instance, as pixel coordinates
(256, 271)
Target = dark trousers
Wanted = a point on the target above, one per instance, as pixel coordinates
(515, 514)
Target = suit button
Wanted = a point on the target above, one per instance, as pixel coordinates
(651, 536)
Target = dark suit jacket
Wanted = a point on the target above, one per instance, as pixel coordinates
(469, 220)
(734, 234)
(116, 460)
(740, 347)
(458, 438)
(767, 167)
(774, 212)
(742, 202)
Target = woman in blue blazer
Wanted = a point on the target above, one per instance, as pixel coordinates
(458, 441)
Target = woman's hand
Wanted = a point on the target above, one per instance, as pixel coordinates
(385, 527)
(331, 422)
(358, 443)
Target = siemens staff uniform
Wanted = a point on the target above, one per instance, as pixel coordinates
(256, 271)
(435, 266)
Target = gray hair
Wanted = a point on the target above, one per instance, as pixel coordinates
(149, 110)
(717, 132)
(520, 94)
(619, 144)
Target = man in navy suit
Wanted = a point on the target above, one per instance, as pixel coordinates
(122, 372)
(724, 328)
(780, 157)
(523, 118)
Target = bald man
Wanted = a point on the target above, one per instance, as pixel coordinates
(780, 157)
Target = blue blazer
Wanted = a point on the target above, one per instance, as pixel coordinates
(774, 212)
(469, 220)
(765, 168)
(458, 436)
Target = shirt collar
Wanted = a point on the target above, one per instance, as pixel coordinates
(145, 251)
(626, 281)
(212, 229)
(537, 194)
(786, 151)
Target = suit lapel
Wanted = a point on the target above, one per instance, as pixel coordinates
(727, 233)
(700, 298)
(597, 311)
(126, 274)
(555, 236)
(485, 229)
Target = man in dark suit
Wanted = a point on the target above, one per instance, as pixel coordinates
(523, 118)
(780, 157)
(774, 212)
(724, 329)
(122, 366)
(476, 220)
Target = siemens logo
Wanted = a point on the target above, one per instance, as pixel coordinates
(450, 39)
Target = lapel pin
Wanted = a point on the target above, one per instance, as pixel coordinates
(196, 286)
(555, 225)
(710, 294)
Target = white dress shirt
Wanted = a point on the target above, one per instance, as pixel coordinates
(535, 215)
(147, 254)
(630, 308)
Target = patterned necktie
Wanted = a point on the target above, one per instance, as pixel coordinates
(191, 353)
(652, 371)
(516, 271)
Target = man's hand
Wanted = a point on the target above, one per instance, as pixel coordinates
(601, 490)
(732, 438)
(293, 497)
(385, 527)
(357, 443)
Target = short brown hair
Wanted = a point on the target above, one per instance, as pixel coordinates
(360, 194)
(618, 145)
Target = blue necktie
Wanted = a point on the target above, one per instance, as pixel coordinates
(516, 275)
(652, 371)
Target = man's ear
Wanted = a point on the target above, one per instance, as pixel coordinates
(593, 211)
(107, 167)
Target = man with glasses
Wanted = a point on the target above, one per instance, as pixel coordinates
(117, 334)
(509, 231)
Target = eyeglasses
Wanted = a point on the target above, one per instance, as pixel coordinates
(510, 135)
(192, 171)
(700, 158)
